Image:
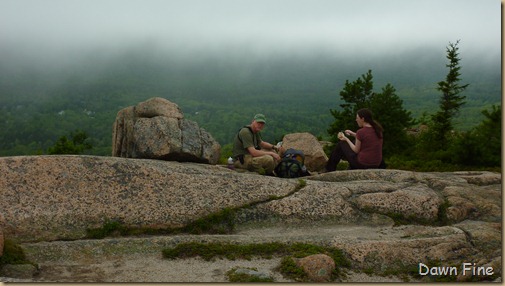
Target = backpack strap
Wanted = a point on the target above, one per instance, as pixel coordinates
(238, 134)
(256, 144)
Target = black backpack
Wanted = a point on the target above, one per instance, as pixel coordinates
(292, 165)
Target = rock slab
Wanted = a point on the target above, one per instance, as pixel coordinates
(454, 217)
(59, 197)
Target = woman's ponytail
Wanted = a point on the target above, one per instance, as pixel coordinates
(367, 115)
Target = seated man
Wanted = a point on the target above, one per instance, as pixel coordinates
(250, 152)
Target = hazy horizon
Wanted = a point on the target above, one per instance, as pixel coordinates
(67, 31)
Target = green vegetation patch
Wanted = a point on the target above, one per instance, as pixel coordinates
(13, 254)
(210, 251)
(221, 222)
(289, 269)
(109, 228)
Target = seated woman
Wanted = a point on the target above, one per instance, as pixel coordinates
(366, 152)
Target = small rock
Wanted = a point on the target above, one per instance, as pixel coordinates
(318, 267)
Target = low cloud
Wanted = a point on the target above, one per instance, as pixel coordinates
(71, 28)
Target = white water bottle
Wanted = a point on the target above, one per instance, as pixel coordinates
(230, 163)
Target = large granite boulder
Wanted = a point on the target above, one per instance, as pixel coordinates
(156, 129)
(315, 158)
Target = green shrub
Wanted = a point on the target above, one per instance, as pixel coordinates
(209, 251)
(217, 223)
(110, 228)
(13, 254)
(289, 269)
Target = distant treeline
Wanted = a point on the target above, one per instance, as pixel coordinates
(295, 93)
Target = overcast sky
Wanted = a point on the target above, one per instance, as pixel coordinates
(371, 26)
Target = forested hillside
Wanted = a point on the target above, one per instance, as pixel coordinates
(41, 102)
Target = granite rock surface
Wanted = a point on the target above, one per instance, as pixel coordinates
(379, 218)
(157, 129)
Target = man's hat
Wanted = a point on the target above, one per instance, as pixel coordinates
(260, 118)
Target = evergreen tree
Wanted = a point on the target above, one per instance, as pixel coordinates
(388, 110)
(386, 106)
(76, 145)
(481, 146)
(450, 100)
(356, 95)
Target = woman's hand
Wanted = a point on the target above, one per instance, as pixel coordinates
(349, 132)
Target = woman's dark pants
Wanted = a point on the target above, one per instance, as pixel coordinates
(343, 151)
